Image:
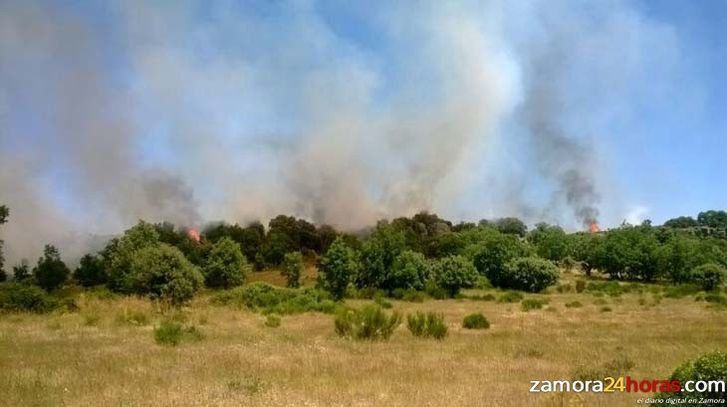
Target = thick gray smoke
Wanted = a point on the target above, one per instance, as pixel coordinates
(158, 111)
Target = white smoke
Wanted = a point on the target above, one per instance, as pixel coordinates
(190, 112)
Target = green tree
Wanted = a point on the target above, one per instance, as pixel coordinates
(338, 266)
(225, 266)
(630, 252)
(90, 271)
(511, 226)
(21, 271)
(410, 270)
(493, 254)
(51, 272)
(377, 256)
(4, 213)
(453, 273)
(551, 242)
(163, 273)
(120, 252)
(681, 222)
(714, 219)
(292, 269)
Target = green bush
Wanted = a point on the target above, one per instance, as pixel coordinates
(453, 273)
(709, 276)
(162, 272)
(530, 274)
(24, 297)
(369, 323)
(292, 269)
(409, 295)
(573, 304)
(272, 321)
(510, 297)
(172, 333)
(225, 265)
(475, 321)
(708, 367)
(429, 325)
(51, 272)
(168, 333)
(531, 304)
(269, 299)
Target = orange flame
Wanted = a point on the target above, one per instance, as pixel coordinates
(193, 234)
(593, 227)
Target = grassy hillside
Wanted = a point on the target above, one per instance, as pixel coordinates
(106, 354)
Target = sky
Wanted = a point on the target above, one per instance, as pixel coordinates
(347, 112)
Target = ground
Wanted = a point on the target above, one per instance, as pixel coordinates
(105, 353)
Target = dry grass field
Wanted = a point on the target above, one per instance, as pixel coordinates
(105, 353)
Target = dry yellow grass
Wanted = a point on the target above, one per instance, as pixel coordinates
(100, 356)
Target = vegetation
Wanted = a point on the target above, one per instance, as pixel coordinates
(370, 323)
(50, 272)
(475, 321)
(163, 273)
(292, 269)
(225, 266)
(338, 267)
(453, 273)
(427, 325)
(709, 276)
(529, 274)
(24, 297)
(707, 367)
(268, 299)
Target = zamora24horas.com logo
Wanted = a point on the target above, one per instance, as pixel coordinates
(630, 385)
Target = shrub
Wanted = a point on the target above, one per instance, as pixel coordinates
(531, 304)
(429, 325)
(453, 273)
(225, 266)
(573, 304)
(409, 295)
(510, 296)
(709, 276)
(90, 271)
(606, 309)
(370, 323)
(24, 297)
(172, 333)
(292, 269)
(708, 367)
(475, 321)
(272, 321)
(530, 274)
(580, 286)
(268, 299)
(164, 273)
(51, 272)
(338, 266)
(410, 270)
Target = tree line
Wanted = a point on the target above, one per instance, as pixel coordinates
(407, 254)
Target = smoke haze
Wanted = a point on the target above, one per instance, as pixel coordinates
(189, 112)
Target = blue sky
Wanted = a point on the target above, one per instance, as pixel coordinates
(346, 112)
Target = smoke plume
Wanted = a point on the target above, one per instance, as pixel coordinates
(193, 111)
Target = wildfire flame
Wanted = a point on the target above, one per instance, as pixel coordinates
(593, 227)
(193, 234)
